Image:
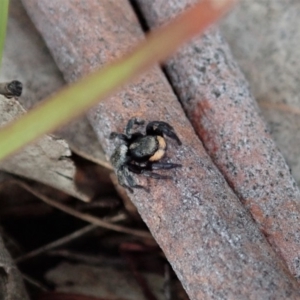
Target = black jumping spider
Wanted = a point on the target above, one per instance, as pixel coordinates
(11, 89)
(139, 153)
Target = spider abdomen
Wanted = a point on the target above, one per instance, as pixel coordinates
(144, 147)
(160, 152)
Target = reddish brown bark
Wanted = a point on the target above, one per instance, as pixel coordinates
(216, 99)
(209, 238)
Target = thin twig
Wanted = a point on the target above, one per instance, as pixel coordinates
(86, 217)
(140, 279)
(98, 260)
(64, 240)
(167, 283)
(35, 283)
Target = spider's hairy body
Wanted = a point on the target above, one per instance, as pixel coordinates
(119, 157)
(11, 89)
(140, 153)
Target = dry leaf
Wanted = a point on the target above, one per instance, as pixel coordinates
(101, 281)
(47, 161)
(83, 141)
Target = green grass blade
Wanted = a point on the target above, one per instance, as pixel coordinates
(74, 100)
(3, 22)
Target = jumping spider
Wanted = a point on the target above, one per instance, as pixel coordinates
(11, 89)
(140, 153)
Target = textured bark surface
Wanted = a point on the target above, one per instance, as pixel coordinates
(264, 38)
(217, 101)
(207, 235)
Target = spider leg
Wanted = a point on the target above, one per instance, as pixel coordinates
(146, 171)
(126, 180)
(132, 183)
(161, 128)
(164, 166)
(131, 186)
(133, 121)
(154, 175)
(120, 136)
